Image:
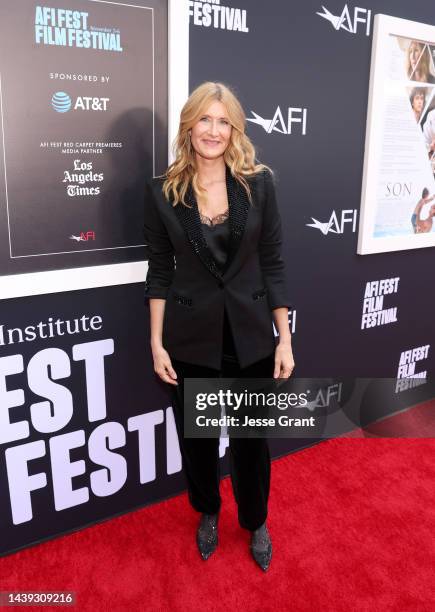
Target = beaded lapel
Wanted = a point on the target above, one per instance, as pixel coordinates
(238, 205)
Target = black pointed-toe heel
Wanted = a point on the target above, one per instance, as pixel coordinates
(261, 547)
(207, 535)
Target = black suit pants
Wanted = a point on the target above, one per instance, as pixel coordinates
(250, 464)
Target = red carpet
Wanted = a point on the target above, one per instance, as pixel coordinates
(352, 521)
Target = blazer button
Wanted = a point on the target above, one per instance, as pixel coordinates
(221, 285)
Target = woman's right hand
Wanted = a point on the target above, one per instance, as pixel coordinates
(163, 366)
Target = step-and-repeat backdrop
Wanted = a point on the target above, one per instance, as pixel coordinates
(86, 428)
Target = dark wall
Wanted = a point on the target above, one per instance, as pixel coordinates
(291, 57)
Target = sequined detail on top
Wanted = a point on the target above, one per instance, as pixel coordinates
(238, 211)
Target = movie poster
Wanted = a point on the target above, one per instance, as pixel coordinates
(398, 198)
(84, 108)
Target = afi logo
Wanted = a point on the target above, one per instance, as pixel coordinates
(348, 22)
(325, 396)
(335, 225)
(84, 236)
(296, 120)
(291, 316)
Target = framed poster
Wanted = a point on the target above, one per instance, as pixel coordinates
(90, 97)
(398, 192)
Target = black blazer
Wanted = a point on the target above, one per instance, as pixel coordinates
(251, 285)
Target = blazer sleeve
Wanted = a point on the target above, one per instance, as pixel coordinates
(271, 262)
(161, 263)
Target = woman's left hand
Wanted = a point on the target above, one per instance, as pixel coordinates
(284, 362)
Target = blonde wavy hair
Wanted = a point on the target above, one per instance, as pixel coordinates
(239, 155)
(423, 66)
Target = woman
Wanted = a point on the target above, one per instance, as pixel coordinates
(418, 62)
(215, 211)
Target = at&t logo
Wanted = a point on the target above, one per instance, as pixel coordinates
(61, 102)
(348, 21)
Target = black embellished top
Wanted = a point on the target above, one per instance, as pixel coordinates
(217, 233)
